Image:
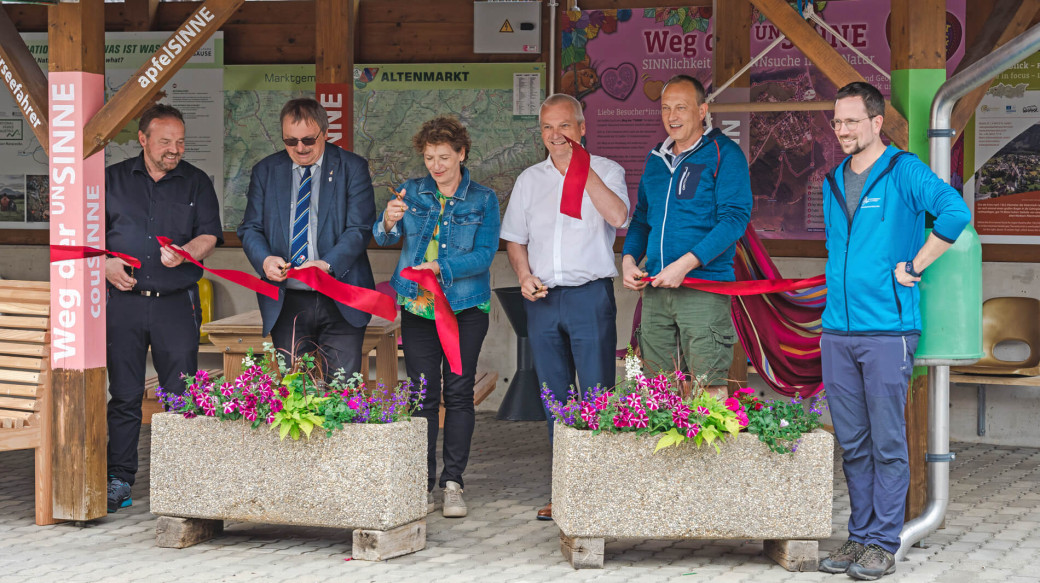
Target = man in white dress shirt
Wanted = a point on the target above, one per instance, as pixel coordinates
(566, 265)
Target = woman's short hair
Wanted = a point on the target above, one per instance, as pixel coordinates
(442, 129)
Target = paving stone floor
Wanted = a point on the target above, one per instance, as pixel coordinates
(992, 533)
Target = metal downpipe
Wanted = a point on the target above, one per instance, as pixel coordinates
(940, 138)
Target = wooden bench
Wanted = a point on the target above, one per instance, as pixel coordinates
(484, 385)
(981, 381)
(25, 381)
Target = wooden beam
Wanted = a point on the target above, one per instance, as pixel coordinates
(141, 15)
(827, 59)
(334, 51)
(76, 33)
(21, 75)
(918, 33)
(1008, 19)
(156, 72)
(732, 39)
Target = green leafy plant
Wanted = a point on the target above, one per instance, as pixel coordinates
(781, 424)
(297, 404)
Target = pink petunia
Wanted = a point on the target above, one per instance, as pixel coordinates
(602, 401)
(742, 418)
(230, 406)
(702, 410)
(732, 404)
(354, 403)
(633, 400)
(640, 420)
(745, 391)
(680, 376)
(693, 431)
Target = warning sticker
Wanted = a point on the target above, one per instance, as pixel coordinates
(506, 27)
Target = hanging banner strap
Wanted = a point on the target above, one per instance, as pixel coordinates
(66, 252)
(360, 298)
(751, 288)
(574, 181)
(444, 317)
(241, 278)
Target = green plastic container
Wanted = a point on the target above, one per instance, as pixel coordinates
(951, 304)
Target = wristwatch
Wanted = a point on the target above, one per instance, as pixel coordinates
(910, 269)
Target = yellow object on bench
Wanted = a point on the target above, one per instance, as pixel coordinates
(205, 306)
(25, 381)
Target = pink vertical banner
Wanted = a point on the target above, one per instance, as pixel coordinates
(336, 98)
(77, 217)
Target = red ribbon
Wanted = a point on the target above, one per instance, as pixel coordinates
(750, 288)
(575, 179)
(444, 317)
(66, 252)
(360, 298)
(243, 279)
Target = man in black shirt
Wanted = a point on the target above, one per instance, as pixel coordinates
(153, 194)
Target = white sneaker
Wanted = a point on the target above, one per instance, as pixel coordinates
(454, 505)
(430, 504)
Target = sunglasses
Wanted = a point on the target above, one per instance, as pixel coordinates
(291, 142)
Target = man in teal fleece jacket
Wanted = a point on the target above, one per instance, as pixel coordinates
(874, 207)
(694, 203)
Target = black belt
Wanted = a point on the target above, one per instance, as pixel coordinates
(152, 294)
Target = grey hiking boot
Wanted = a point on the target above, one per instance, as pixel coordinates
(839, 560)
(118, 494)
(454, 505)
(874, 563)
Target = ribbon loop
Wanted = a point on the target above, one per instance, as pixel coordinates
(444, 317)
(574, 181)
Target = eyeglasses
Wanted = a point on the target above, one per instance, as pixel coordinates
(291, 142)
(850, 124)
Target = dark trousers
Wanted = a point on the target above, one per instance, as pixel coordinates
(572, 330)
(423, 355)
(866, 378)
(170, 325)
(311, 322)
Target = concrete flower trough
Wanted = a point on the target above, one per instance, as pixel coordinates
(614, 486)
(370, 478)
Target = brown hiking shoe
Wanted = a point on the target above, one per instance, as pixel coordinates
(874, 563)
(838, 561)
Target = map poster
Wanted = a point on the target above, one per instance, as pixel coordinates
(1005, 158)
(253, 98)
(616, 63)
(498, 104)
(194, 90)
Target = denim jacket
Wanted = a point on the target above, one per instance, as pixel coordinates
(468, 239)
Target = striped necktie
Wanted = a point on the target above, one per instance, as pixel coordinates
(301, 220)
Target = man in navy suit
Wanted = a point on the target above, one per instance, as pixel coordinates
(311, 205)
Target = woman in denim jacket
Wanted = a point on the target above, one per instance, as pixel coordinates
(449, 225)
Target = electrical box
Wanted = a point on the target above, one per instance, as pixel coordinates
(508, 26)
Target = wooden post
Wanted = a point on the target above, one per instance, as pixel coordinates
(918, 70)
(77, 211)
(20, 74)
(334, 66)
(826, 58)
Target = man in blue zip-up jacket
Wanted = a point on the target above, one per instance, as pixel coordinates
(694, 203)
(873, 208)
